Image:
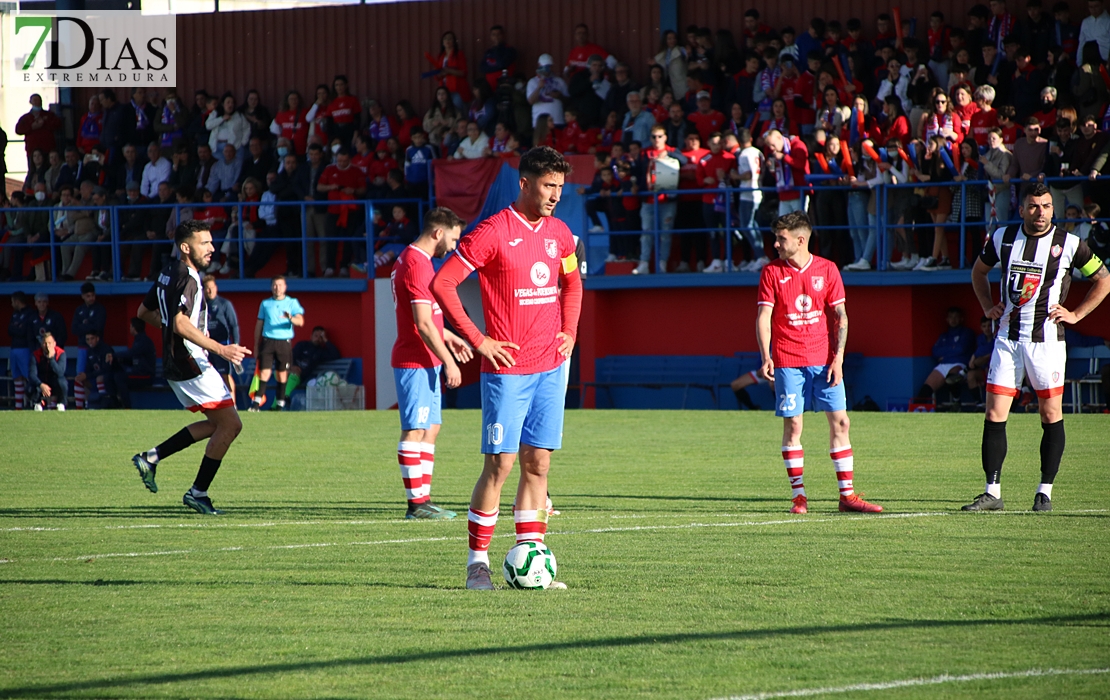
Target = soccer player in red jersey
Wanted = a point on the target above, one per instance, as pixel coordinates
(795, 294)
(531, 298)
(423, 348)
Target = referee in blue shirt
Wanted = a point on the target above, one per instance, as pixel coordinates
(272, 335)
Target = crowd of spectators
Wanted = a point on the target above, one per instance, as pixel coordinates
(814, 117)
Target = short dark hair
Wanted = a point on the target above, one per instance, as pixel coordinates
(188, 229)
(441, 217)
(88, 287)
(319, 328)
(1035, 189)
(138, 324)
(955, 310)
(93, 331)
(743, 135)
(499, 28)
(753, 13)
(207, 278)
(275, 278)
(792, 222)
(542, 161)
(20, 297)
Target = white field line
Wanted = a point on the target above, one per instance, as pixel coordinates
(911, 682)
(409, 523)
(594, 531)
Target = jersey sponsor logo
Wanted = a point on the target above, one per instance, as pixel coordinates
(1024, 281)
(806, 313)
(541, 274)
(551, 247)
(516, 242)
(804, 303)
(818, 282)
(784, 280)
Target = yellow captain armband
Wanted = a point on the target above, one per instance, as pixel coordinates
(1087, 270)
(570, 264)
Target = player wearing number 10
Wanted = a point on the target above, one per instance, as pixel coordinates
(522, 255)
(422, 350)
(795, 293)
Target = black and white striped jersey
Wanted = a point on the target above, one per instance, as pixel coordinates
(1036, 274)
(179, 290)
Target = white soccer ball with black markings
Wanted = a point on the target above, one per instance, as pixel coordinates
(530, 566)
(328, 379)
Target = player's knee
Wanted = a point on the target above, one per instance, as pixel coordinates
(842, 423)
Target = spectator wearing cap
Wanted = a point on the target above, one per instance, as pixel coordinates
(546, 92)
(499, 59)
(156, 171)
(706, 119)
(1096, 28)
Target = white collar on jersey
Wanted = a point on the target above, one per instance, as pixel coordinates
(803, 268)
(420, 250)
(524, 221)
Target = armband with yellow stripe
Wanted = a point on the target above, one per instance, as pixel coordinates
(1087, 270)
(570, 264)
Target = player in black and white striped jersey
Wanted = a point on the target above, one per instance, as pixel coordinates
(176, 303)
(1037, 259)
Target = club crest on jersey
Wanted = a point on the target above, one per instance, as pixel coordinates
(1056, 251)
(541, 274)
(818, 283)
(551, 246)
(1055, 377)
(1023, 283)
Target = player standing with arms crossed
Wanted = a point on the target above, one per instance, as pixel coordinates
(422, 348)
(1036, 259)
(795, 294)
(522, 255)
(176, 304)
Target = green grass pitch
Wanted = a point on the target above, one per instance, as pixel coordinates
(687, 577)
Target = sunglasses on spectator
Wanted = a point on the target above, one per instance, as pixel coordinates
(940, 102)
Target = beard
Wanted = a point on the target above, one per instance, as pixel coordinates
(199, 259)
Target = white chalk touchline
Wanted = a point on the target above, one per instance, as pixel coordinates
(602, 530)
(910, 682)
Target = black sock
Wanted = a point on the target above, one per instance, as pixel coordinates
(1052, 449)
(207, 472)
(743, 399)
(260, 395)
(176, 442)
(281, 391)
(925, 391)
(994, 449)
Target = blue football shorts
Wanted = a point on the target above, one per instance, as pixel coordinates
(799, 388)
(524, 408)
(419, 400)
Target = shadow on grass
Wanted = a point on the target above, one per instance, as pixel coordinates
(174, 509)
(220, 584)
(480, 652)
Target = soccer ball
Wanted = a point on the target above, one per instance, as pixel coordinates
(530, 566)
(328, 379)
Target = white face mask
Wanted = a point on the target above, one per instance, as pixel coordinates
(40, 196)
(335, 148)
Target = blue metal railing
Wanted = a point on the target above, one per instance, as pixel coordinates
(883, 228)
(366, 234)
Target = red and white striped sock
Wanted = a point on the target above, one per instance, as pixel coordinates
(794, 458)
(843, 463)
(79, 395)
(408, 456)
(20, 394)
(101, 387)
(427, 464)
(480, 526)
(531, 525)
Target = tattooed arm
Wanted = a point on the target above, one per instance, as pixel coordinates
(836, 367)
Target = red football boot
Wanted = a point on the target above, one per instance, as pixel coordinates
(855, 504)
(801, 505)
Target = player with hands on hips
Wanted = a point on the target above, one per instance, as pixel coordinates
(796, 291)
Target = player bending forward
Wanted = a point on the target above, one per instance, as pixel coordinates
(795, 292)
(423, 347)
(521, 254)
(1037, 259)
(176, 303)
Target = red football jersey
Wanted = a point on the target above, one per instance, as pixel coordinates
(411, 281)
(518, 268)
(344, 110)
(707, 123)
(981, 123)
(350, 177)
(799, 301)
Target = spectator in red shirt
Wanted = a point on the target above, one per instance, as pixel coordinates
(788, 158)
(344, 111)
(1046, 115)
(407, 120)
(579, 57)
(986, 117)
(342, 181)
(37, 128)
(1006, 122)
(713, 170)
(451, 64)
(897, 125)
(706, 119)
(753, 27)
(292, 122)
